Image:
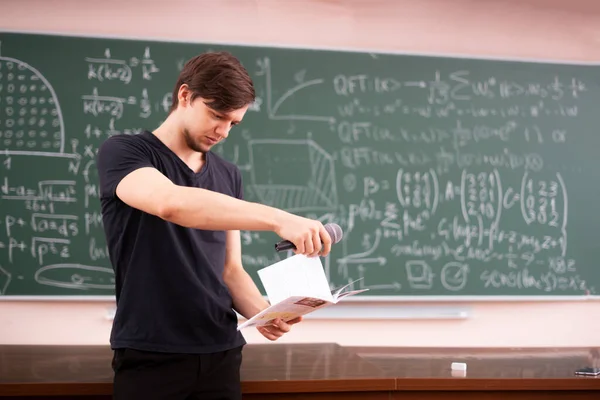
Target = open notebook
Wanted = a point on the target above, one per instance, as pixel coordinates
(296, 286)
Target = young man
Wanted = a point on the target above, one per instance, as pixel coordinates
(172, 212)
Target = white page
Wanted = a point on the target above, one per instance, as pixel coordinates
(287, 309)
(295, 276)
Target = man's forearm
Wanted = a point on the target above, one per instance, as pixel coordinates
(148, 190)
(205, 209)
(247, 299)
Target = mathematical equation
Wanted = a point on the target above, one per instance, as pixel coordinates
(459, 86)
(473, 198)
(109, 69)
(441, 180)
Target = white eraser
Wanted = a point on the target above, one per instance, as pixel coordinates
(459, 366)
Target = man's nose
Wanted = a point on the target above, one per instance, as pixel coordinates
(223, 130)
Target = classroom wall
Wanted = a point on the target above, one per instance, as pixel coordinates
(554, 29)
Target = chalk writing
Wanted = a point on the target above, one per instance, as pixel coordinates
(449, 177)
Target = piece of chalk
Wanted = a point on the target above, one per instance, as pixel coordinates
(459, 366)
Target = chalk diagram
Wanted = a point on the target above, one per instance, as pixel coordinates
(453, 276)
(273, 106)
(32, 124)
(419, 274)
(294, 175)
(31, 121)
(82, 276)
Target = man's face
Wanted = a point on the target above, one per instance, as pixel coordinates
(205, 127)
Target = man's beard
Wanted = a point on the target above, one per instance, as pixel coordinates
(189, 141)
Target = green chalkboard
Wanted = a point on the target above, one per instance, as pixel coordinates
(450, 176)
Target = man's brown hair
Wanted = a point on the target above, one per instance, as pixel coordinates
(219, 78)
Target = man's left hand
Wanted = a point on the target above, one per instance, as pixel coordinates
(277, 328)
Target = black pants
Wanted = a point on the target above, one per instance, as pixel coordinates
(156, 376)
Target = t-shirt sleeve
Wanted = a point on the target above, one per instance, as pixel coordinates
(117, 157)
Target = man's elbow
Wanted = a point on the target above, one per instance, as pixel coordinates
(174, 208)
(232, 272)
(166, 211)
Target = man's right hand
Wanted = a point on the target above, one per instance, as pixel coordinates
(308, 235)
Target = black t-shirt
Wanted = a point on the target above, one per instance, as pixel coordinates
(169, 279)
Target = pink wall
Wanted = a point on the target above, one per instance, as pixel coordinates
(553, 29)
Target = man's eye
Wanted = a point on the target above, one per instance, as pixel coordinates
(217, 116)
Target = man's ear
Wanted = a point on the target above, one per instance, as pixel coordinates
(184, 95)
